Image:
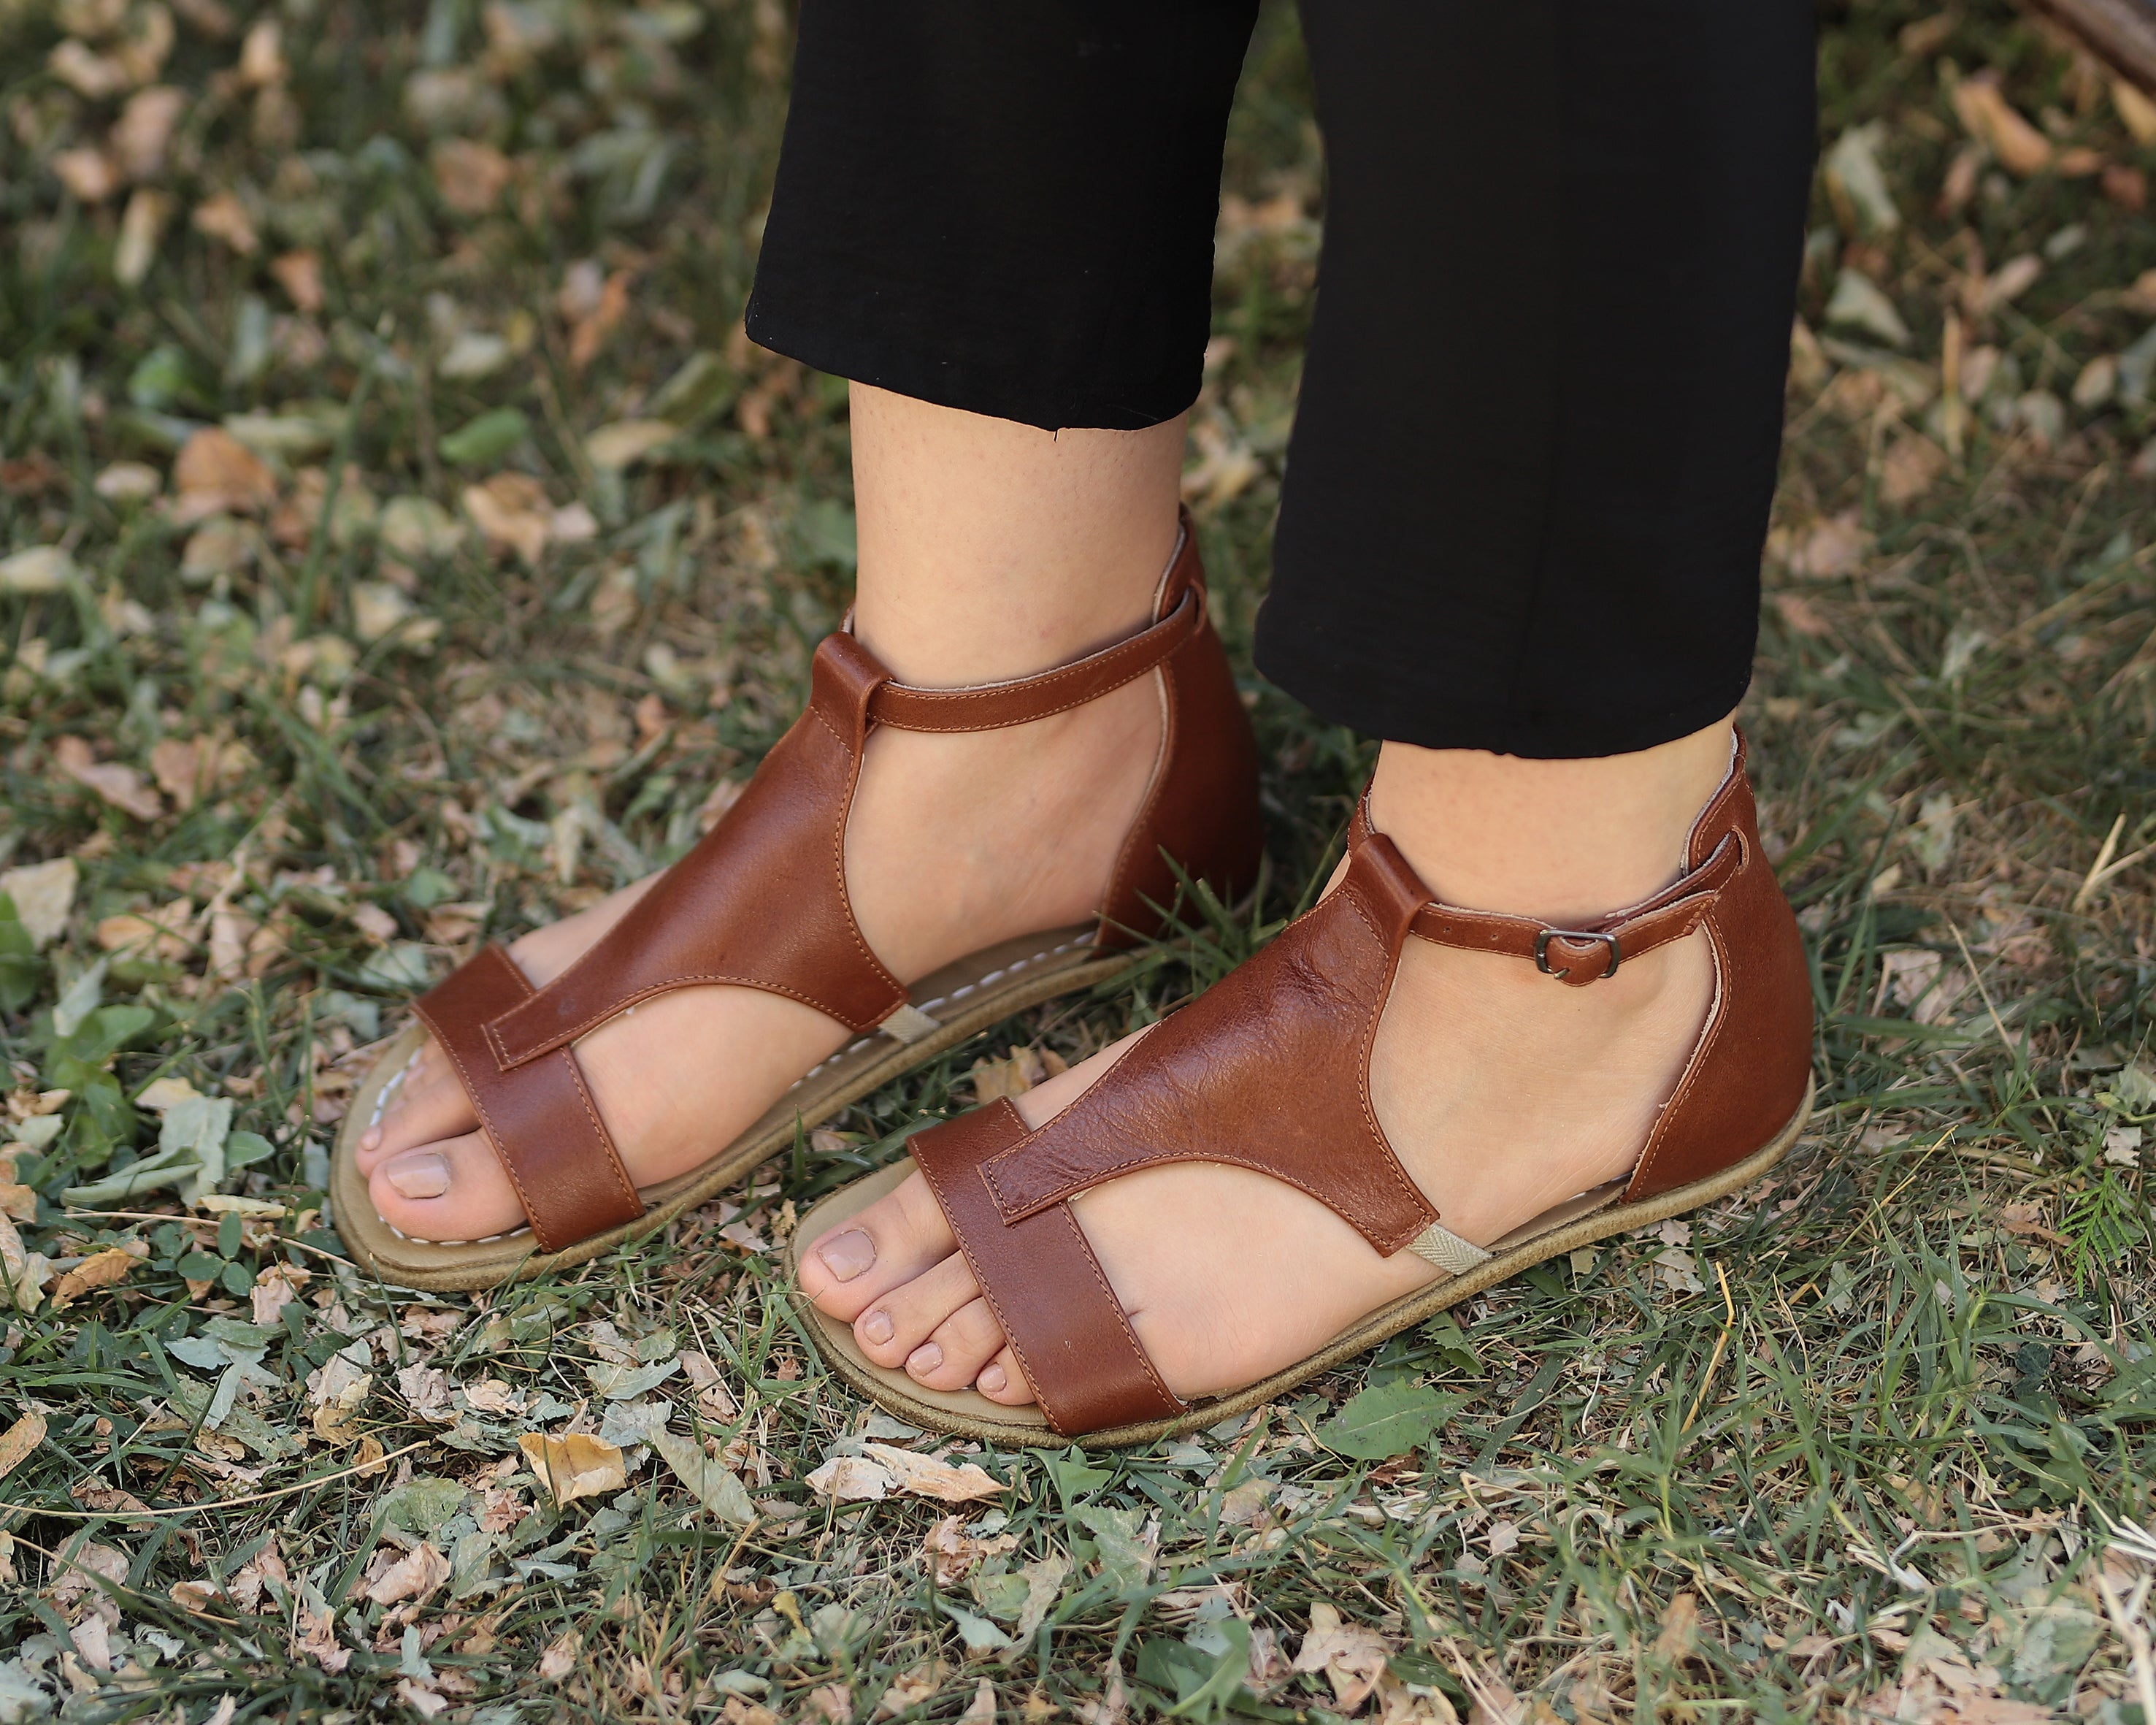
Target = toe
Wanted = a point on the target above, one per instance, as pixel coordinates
(903, 1233)
(896, 1326)
(427, 1105)
(1001, 1380)
(452, 1189)
(959, 1347)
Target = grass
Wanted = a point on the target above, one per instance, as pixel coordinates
(1873, 1441)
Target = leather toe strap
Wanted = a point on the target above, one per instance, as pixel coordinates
(1087, 1368)
(539, 1117)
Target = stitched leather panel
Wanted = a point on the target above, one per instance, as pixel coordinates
(1746, 1076)
(1267, 1069)
(1202, 808)
(760, 902)
(1087, 1367)
(539, 1119)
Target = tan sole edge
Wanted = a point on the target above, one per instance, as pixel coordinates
(967, 1414)
(866, 1065)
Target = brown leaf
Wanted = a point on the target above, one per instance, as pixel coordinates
(926, 1477)
(266, 1566)
(1352, 1657)
(96, 76)
(1679, 1634)
(469, 175)
(299, 274)
(197, 1596)
(107, 1499)
(100, 1270)
(589, 331)
(315, 1636)
(177, 768)
(87, 172)
(560, 1659)
(262, 54)
(414, 1576)
(18, 1440)
(121, 786)
(18, 1201)
(1987, 116)
(953, 1552)
(217, 474)
(511, 510)
(223, 216)
(144, 130)
(573, 1466)
(161, 933)
(832, 1702)
(1911, 467)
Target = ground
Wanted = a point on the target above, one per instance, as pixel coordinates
(402, 544)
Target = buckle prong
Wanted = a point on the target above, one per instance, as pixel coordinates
(1543, 938)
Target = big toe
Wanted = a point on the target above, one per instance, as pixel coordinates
(848, 1268)
(450, 1190)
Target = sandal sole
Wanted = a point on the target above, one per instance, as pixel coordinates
(965, 1414)
(964, 998)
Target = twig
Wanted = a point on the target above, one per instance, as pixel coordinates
(2098, 868)
(191, 1509)
(1721, 1342)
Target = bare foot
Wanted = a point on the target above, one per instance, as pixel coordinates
(956, 842)
(1502, 1093)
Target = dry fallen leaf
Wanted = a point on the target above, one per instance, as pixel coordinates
(471, 175)
(100, 1270)
(216, 474)
(560, 1659)
(1990, 118)
(574, 1466)
(197, 1596)
(223, 216)
(42, 893)
(89, 173)
(414, 1576)
(511, 510)
(144, 130)
(1352, 1657)
(18, 1440)
(299, 274)
(121, 785)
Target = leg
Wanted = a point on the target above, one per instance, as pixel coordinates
(1543, 545)
(990, 548)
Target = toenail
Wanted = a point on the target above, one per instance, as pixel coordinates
(419, 1176)
(371, 1139)
(924, 1359)
(846, 1255)
(876, 1328)
(992, 1380)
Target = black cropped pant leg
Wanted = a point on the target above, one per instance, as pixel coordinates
(1541, 403)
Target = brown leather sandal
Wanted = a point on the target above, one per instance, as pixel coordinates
(1270, 1070)
(761, 903)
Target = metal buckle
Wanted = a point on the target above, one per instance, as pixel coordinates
(1546, 935)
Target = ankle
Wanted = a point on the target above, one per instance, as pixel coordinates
(1567, 840)
(991, 550)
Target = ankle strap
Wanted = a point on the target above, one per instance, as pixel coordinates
(1179, 609)
(991, 706)
(1574, 956)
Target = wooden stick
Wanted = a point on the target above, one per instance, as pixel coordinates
(2120, 33)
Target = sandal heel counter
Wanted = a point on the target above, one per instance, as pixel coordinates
(1202, 810)
(1749, 1075)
